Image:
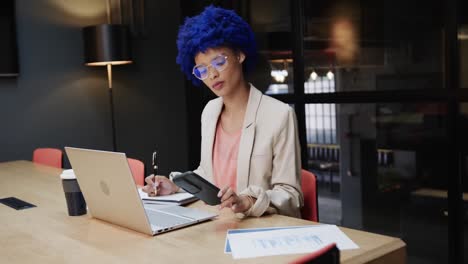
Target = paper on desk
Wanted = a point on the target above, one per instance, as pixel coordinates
(176, 197)
(227, 246)
(287, 241)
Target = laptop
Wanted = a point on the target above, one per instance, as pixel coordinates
(111, 194)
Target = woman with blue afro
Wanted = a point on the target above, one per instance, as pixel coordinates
(250, 147)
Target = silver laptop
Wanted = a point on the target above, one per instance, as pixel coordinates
(111, 194)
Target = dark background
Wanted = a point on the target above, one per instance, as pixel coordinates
(57, 101)
(8, 53)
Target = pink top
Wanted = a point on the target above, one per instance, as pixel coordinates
(225, 151)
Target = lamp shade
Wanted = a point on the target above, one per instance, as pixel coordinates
(106, 44)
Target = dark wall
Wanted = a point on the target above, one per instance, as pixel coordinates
(151, 99)
(57, 101)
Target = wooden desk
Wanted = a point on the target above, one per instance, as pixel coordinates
(47, 234)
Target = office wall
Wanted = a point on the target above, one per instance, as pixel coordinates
(151, 100)
(57, 101)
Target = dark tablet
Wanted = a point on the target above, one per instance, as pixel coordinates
(16, 203)
(196, 185)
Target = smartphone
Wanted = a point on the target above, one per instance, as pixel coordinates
(16, 203)
(198, 186)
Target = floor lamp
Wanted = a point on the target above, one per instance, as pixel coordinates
(107, 45)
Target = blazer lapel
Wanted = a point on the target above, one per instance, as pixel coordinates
(212, 121)
(247, 139)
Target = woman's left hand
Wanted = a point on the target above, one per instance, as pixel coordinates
(237, 203)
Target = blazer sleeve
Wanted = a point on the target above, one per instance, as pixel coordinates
(285, 197)
(200, 171)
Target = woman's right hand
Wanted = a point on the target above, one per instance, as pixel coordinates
(159, 185)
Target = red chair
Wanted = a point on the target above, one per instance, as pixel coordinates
(309, 189)
(48, 156)
(138, 170)
(327, 255)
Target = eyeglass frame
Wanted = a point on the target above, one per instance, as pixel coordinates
(226, 57)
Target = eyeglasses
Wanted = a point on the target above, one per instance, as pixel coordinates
(202, 72)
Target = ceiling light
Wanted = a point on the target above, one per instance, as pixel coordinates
(313, 75)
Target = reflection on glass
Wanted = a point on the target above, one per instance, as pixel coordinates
(281, 76)
(271, 24)
(375, 45)
(323, 151)
(324, 83)
(464, 144)
(463, 45)
(321, 123)
(382, 168)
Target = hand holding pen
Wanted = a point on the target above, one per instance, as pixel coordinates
(158, 185)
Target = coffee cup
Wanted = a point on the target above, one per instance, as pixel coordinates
(76, 203)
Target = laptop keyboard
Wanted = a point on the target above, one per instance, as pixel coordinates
(191, 213)
(163, 220)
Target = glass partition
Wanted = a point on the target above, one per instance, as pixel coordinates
(271, 24)
(381, 168)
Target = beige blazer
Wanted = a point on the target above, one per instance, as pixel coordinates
(269, 161)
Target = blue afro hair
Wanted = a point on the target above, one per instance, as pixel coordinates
(214, 27)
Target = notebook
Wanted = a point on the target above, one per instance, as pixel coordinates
(111, 194)
(180, 198)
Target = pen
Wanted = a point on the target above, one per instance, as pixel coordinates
(155, 169)
(155, 163)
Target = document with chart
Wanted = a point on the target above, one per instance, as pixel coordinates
(287, 241)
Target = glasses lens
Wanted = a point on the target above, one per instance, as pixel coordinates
(200, 71)
(219, 63)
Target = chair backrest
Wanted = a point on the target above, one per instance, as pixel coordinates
(309, 189)
(138, 170)
(327, 255)
(48, 156)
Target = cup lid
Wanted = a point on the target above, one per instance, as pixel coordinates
(68, 175)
